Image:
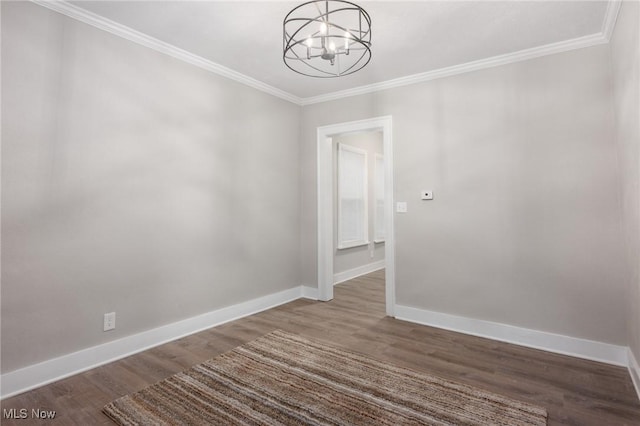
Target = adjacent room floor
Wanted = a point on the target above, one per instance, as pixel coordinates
(574, 391)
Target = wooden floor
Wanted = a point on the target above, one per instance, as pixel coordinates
(574, 391)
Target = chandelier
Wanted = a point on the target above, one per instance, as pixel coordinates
(327, 38)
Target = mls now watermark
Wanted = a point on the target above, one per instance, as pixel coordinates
(23, 413)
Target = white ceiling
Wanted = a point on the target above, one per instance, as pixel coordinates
(408, 37)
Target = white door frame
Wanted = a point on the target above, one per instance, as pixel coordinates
(326, 204)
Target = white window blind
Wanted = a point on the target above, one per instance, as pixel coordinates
(353, 228)
(379, 232)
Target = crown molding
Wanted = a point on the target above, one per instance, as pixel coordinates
(90, 18)
(603, 37)
(130, 34)
(610, 17)
(509, 58)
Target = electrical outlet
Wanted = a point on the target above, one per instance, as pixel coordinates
(109, 321)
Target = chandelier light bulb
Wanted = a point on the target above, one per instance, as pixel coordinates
(323, 28)
(347, 35)
(309, 43)
(332, 46)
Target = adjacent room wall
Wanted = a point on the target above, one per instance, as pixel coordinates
(525, 225)
(135, 183)
(358, 257)
(625, 54)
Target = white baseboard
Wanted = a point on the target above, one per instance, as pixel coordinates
(634, 371)
(350, 274)
(309, 292)
(566, 345)
(49, 371)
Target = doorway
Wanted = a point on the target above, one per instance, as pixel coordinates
(326, 204)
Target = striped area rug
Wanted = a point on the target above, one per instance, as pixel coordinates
(285, 379)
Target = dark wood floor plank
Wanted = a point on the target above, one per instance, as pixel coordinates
(574, 391)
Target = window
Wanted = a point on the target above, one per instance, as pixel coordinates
(378, 234)
(353, 228)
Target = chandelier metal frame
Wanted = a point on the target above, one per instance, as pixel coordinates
(320, 40)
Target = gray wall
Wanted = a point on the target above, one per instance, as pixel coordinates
(625, 54)
(354, 257)
(525, 228)
(132, 182)
(135, 183)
